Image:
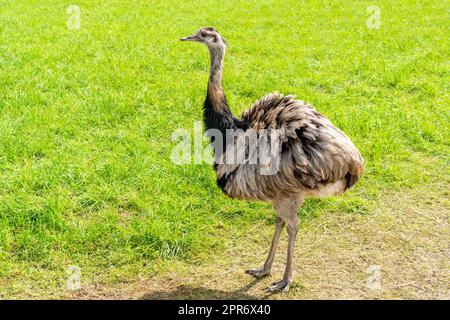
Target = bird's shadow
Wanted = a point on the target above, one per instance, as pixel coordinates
(194, 292)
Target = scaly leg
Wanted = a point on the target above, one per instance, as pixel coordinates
(259, 273)
(288, 212)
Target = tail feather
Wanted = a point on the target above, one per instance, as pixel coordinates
(350, 180)
(352, 177)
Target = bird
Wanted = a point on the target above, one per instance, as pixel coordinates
(316, 159)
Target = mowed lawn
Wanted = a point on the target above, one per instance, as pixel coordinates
(86, 118)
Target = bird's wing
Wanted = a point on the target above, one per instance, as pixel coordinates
(313, 150)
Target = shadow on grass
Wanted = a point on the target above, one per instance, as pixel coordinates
(192, 292)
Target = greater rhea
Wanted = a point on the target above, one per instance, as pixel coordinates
(316, 158)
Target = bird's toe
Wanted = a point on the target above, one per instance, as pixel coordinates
(258, 273)
(282, 286)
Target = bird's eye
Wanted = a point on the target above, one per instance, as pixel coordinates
(203, 34)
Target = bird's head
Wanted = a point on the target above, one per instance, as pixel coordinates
(208, 36)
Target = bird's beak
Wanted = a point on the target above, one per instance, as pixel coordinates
(191, 38)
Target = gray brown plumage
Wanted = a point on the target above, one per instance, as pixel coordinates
(316, 158)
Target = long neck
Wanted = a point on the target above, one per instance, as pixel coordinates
(217, 114)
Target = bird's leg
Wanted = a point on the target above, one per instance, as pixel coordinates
(288, 213)
(283, 285)
(258, 273)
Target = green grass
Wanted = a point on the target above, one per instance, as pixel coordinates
(86, 118)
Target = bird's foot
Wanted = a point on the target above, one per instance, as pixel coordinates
(282, 286)
(258, 273)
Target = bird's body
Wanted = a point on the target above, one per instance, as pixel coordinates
(314, 158)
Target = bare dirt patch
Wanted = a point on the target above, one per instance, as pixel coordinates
(406, 239)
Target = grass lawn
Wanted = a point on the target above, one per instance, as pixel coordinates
(86, 177)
